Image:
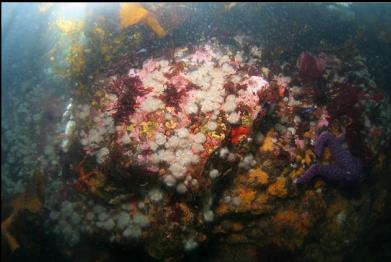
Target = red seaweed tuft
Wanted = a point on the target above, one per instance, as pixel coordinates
(126, 88)
(311, 66)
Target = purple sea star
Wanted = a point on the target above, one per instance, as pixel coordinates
(347, 169)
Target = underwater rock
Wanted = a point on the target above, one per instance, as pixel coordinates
(157, 116)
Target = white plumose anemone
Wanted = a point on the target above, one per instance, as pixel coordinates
(230, 104)
(169, 180)
(199, 138)
(102, 155)
(214, 173)
(177, 170)
(233, 118)
(156, 195)
(160, 139)
(151, 104)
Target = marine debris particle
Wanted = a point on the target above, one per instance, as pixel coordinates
(134, 13)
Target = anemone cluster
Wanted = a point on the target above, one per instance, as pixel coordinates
(170, 115)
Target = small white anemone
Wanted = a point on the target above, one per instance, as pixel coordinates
(231, 157)
(169, 180)
(132, 232)
(102, 155)
(183, 132)
(84, 112)
(166, 156)
(172, 142)
(208, 215)
(247, 162)
(70, 128)
(141, 220)
(191, 108)
(108, 225)
(156, 195)
(184, 157)
(177, 170)
(160, 139)
(233, 118)
(153, 146)
(223, 152)
(181, 188)
(190, 244)
(209, 106)
(197, 148)
(155, 158)
(123, 220)
(125, 139)
(199, 138)
(230, 104)
(214, 173)
(151, 104)
(194, 182)
(212, 125)
(65, 144)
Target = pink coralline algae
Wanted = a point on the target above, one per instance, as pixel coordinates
(299, 143)
(311, 66)
(256, 84)
(250, 97)
(203, 55)
(347, 169)
(322, 122)
(282, 82)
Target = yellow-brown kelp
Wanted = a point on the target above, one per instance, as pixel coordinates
(134, 13)
(75, 57)
(31, 201)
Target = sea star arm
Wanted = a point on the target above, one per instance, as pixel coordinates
(341, 139)
(323, 140)
(309, 174)
(347, 168)
(328, 172)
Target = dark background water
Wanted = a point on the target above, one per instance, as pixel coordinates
(26, 36)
